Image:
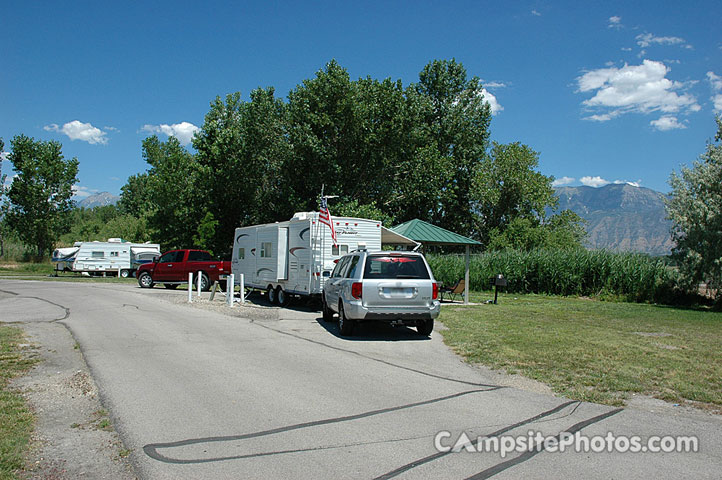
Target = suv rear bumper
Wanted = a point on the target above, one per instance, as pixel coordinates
(356, 311)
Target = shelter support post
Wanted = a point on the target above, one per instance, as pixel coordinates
(466, 278)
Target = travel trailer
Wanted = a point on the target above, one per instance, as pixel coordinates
(295, 257)
(115, 256)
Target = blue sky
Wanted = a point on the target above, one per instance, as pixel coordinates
(605, 91)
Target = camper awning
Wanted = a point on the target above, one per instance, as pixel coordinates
(389, 237)
(137, 250)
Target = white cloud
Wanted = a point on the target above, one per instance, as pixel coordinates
(491, 100)
(615, 22)
(645, 40)
(535, 13)
(594, 181)
(558, 182)
(77, 130)
(716, 83)
(634, 88)
(183, 131)
(82, 192)
(495, 84)
(667, 122)
(4, 156)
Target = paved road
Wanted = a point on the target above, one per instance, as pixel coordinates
(271, 393)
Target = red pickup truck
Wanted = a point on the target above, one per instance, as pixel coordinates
(172, 268)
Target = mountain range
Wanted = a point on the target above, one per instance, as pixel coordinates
(99, 200)
(621, 217)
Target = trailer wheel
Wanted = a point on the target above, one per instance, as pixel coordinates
(282, 297)
(345, 325)
(271, 295)
(145, 280)
(124, 273)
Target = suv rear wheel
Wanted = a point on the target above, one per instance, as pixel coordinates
(345, 324)
(425, 327)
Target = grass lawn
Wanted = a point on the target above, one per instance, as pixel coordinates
(16, 420)
(45, 271)
(592, 350)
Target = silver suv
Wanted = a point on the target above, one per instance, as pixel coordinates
(393, 287)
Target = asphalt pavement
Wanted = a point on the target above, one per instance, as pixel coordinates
(206, 391)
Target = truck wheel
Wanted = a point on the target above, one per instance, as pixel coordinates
(205, 282)
(271, 295)
(282, 297)
(425, 327)
(124, 273)
(345, 324)
(145, 280)
(327, 313)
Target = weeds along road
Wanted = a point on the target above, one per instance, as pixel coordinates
(255, 392)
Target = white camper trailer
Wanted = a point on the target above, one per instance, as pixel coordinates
(114, 256)
(63, 258)
(296, 257)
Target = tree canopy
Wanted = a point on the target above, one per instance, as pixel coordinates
(695, 207)
(40, 194)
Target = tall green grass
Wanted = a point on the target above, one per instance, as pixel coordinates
(631, 276)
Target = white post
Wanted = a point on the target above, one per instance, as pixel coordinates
(190, 287)
(118, 272)
(230, 287)
(198, 283)
(243, 289)
(466, 278)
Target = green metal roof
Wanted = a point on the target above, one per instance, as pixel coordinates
(429, 234)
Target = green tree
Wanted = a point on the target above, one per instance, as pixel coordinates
(177, 205)
(135, 196)
(506, 186)
(458, 120)
(3, 177)
(40, 194)
(564, 231)
(695, 208)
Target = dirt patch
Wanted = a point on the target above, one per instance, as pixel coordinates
(73, 435)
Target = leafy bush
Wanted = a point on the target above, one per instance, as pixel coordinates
(630, 276)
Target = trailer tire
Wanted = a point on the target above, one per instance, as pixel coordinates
(124, 273)
(282, 297)
(271, 295)
(327, 313)
(145, 280)
(345, 324)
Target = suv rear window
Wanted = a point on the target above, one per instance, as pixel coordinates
(395, 266)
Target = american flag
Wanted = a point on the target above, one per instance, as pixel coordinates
(324, 216)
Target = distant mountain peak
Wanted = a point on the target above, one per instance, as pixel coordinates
(101, 199)
(621, 217)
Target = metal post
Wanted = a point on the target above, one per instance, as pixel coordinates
(466, 278)
(118, 272)
(243, 289)
(198, 283)
(230, 287)
(190, 287)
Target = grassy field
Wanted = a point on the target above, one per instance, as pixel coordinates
(44, 271)
(16, 420)
(595, 351)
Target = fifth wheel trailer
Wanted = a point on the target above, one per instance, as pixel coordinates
(295, 257)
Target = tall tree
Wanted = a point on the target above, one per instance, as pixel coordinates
(177, 206)
(458, 120)
(695, 207)
(508, 186)
(3, 207)
(135, 196)
(40, 194)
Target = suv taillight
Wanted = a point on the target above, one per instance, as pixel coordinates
(435, 292)
(356, 290)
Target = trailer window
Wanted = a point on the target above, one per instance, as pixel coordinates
(266, 250)
(241, 253)
(97, 255)
(338, 250)
(114, 254)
